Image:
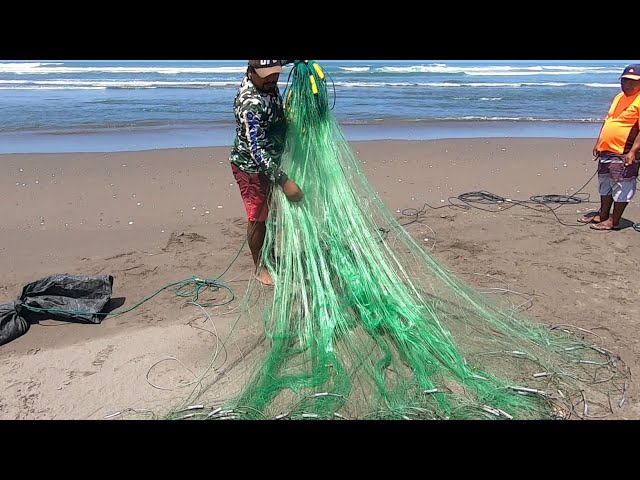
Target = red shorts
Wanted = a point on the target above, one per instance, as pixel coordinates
(254, 189)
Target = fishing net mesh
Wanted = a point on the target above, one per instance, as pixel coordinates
(364, 322)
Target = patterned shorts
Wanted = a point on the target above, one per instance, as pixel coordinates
(254, 189)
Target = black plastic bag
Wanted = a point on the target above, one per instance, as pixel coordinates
(12, 325)
(72, 298)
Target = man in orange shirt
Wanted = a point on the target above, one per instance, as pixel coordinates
(617, 151)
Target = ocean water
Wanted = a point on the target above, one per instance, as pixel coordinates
(51, 106)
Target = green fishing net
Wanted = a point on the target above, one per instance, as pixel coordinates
(364, 323)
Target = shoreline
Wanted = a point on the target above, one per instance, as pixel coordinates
(159, 138)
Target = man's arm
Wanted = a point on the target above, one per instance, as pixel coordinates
(632, 156)
(257, 140)
(264, 162)
(596, 152)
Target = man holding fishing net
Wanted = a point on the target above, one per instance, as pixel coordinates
(257, 151)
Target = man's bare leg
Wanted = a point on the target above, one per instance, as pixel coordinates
(612, 222)
(605, 207)
(256, 232)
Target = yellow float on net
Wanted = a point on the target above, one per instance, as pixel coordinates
(319, 71)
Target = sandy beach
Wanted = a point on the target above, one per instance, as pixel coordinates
(154, 218)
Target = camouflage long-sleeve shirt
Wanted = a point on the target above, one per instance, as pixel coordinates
(260, 132)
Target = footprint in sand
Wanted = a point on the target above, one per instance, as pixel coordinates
(103, 355)
(74, 374)
(29, 395)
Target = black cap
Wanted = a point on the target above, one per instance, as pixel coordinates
(264, 68)
(632, 72)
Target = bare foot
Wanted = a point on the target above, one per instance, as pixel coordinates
(606, 225)
(595, 219)
(264, 277)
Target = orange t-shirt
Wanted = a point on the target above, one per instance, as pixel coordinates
(621, 124)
